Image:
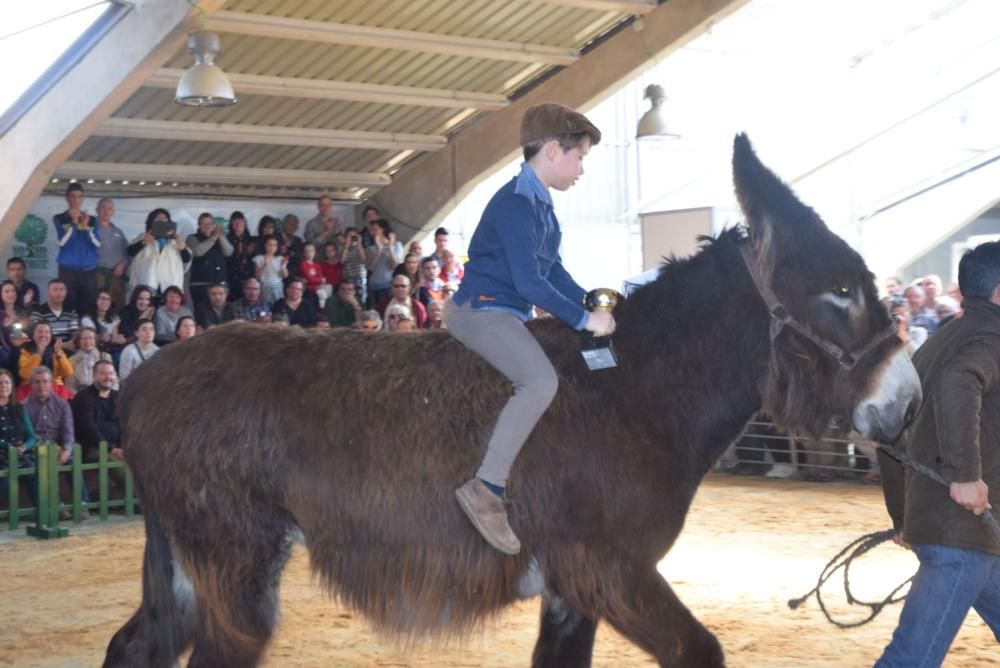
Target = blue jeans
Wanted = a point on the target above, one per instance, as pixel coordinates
(950, 580)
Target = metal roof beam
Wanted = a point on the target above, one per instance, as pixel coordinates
(277, 136)
(276, 27)
(255, 84)
(100, 189)
(624, 6)
(240, 176)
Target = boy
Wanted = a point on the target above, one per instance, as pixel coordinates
(514, 264)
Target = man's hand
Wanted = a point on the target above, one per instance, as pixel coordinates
(29, 297)
(64, 456)
(116, 453)
(972, 496)
(217, 232)
(898, 540)
(119, 269)
(601, 323)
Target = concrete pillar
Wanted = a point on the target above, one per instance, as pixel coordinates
(48, 133)
(423, 193)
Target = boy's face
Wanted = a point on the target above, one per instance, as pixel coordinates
(565, 167)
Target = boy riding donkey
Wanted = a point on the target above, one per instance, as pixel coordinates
(514, 264)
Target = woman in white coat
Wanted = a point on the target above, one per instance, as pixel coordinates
(158, 261)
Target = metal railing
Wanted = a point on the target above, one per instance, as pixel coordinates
(44, 477)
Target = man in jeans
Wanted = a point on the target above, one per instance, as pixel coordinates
(79, 241)
(956, 433)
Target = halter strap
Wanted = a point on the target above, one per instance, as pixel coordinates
(781, 318)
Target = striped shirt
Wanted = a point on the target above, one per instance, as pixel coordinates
(64, 324)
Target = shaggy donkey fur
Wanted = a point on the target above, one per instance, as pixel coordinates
(363, 455)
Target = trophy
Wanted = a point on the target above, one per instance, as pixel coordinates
(598, 351)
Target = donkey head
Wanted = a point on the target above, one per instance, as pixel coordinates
(824, 285)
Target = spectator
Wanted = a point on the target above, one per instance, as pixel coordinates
(291, 242)
(15, 319)
(947, 309)
(399, 319)
(239, 265)
(955, 293)
(435, 315)
(63, 320)
(370, 321)
(46, 351)
(272, 270)
(140, 307)
(401, 296)
(106, 323)
(95, 418)
(431, 287)
(186, 328)
(440, 244)
(293, 307)
(451, 268)
(415, 249)
(165, 320)
(324, 227)
(311, 272)
(217, 310)
(931, 284)
(77, 233)
(411, 269)
(28, 294)
(209, 248)
(52, 420)
(332, 269)
(112, 256)
(382, 259)
(893, 287)
(249, 307)
(322, 322)
(368, 217)
(84, 359)
(354, 259)
(912, 336)
(267, 227)
(140, 350)
(919, 315)
(15, 431)
(343, 308)
(159, 256)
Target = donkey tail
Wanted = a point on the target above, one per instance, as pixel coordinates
(162, 627)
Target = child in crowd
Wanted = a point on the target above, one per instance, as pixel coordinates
(353, 258)
(136, 353)
(272, 270)
(311, 272)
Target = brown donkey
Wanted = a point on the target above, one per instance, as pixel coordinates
(233, 466)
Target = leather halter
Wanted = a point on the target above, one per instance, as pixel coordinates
(781, 318)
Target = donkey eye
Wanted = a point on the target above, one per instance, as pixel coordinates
(842, 292)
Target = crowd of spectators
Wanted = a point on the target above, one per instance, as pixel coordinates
(115, 303)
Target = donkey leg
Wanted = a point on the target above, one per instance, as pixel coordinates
(650, 615)
(238, 605)
(566, 639)
(162, 627)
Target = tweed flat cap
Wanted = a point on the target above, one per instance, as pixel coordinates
(551, 120)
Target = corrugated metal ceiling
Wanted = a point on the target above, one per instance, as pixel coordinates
(522, 21)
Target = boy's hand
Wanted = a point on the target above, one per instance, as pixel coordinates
(972, 496)
(601, 323)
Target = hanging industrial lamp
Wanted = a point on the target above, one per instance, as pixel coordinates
(653, 124)
(204, 84)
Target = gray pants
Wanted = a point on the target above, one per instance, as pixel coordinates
(502, 340)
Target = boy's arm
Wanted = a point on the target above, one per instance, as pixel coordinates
(564, 283)
(520, 244)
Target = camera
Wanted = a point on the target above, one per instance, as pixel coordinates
(163, 229)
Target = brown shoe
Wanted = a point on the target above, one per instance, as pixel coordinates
(486, 512)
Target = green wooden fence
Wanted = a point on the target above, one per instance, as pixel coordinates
(44, 515)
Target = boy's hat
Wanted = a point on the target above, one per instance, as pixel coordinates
(551, 120)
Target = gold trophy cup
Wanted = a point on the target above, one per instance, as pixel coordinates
(598, 351)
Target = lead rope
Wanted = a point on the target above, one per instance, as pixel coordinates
(864, 544)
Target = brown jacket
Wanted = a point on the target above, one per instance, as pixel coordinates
(956, 432)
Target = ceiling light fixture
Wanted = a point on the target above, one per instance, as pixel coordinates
(653, 124)
(204, 84)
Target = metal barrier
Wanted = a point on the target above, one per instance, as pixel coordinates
(762, 446)
(46, 473)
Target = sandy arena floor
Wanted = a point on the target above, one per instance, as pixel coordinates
(749, 546)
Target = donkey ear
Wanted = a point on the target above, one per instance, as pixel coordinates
(774, 215)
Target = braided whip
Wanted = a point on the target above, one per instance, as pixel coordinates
(864, 544)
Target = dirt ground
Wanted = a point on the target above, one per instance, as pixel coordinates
(749, 546)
